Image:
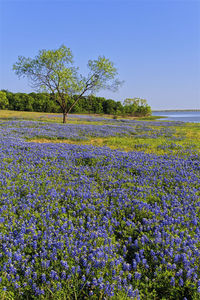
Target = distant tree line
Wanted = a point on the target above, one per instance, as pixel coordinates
(44, 102)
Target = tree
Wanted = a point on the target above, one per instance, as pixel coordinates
(22, 102)
(96, 104)
(10, 97)
(137, 107)
(3, 100)
(109, 106)
(53, 71)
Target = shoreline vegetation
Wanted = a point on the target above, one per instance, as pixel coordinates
(46, 102)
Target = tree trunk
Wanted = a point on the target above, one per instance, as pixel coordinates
(64, 117)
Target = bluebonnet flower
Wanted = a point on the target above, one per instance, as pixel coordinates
(43, 277)
(137, 276)
(53, 274)
(172, 281)
(34, 275)
(64, 264)
(181, 282)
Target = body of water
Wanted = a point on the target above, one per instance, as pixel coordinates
(179, 115)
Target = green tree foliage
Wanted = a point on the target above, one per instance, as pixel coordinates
(44, 102)
(136, 107)
(22, 102)
(53, 71)
(3, 100)
(110, 106)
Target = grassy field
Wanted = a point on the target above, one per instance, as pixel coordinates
(56, 117)
(98, 208)
(186, 136)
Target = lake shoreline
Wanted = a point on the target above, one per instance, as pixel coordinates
(174, 110)
(179, 115)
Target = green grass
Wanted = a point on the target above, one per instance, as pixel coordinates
(156, 146)
(184, 137)
(160, 145)
(57, 117)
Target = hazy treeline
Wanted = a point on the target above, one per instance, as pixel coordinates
(44, 102)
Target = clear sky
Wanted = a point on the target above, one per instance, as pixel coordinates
(155, 45)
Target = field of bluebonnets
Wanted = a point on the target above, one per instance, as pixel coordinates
(84, 222)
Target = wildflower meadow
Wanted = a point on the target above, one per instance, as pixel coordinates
(80, 221)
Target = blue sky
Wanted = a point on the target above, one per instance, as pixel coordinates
(155, 45)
